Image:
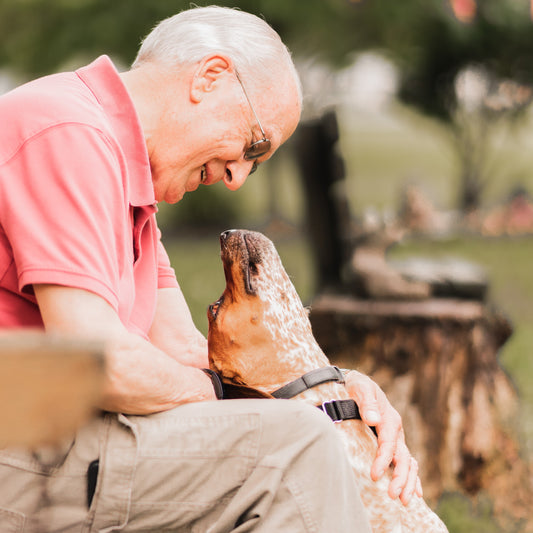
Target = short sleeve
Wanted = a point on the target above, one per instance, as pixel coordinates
(63, 210)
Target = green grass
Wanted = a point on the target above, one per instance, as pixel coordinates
(461, 516)
(402, 147)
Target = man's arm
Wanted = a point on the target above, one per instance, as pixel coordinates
(174, 332)
(140, 378)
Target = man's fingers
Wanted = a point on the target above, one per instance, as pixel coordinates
(390, 436)
(376, 411)
(412, 482)
(385, 455)
(363, 391)
(370, 414)
(400, 476)
(419, 490)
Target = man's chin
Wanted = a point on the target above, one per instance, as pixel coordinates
(173, 197)
(191, 187)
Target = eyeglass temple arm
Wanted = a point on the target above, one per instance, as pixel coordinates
(250, 103)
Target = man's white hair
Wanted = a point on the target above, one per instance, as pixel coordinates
(255, 48)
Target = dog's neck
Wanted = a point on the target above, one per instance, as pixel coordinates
(296, 363)
(323, 393)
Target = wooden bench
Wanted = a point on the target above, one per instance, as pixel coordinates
(49, 385)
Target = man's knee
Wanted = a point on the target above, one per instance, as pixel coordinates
(294, 424)
(294, 415)
(280, 427)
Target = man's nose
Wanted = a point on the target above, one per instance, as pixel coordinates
(236, 173)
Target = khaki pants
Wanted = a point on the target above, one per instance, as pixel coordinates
(269, 466)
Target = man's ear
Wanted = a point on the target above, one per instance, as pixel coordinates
(207, 75)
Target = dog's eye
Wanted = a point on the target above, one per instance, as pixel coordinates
(252, 267)
(214, 307)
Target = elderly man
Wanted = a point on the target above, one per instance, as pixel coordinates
(84, 158)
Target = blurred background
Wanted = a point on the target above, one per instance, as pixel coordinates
(432, 99)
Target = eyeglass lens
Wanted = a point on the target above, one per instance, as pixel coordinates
(257, 149)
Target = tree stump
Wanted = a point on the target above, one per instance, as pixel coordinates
(436, 360)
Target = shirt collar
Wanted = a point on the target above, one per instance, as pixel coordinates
(103, 79)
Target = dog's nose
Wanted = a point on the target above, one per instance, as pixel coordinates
(225, 234)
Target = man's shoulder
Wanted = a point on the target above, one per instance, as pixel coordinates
(45, 103)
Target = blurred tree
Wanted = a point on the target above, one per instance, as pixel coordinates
(422, 36)
(430, 40)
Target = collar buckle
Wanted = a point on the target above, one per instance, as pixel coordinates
(331, 408)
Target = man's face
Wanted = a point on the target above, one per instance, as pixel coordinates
(208, 144)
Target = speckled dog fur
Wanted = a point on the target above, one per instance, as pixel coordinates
(260, 336)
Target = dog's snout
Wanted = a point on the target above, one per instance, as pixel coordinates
(225, 234)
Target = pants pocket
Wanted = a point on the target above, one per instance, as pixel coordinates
(28, 487)
(11, 521)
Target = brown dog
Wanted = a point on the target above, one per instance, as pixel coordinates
(260, 338)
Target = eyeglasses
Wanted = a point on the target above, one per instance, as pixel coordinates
(257, 148)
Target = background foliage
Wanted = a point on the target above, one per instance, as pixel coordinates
(422, 36)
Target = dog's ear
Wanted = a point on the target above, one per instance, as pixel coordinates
(235, 391)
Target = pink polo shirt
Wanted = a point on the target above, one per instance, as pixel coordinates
(77, 204)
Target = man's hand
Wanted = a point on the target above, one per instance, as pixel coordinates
(378, 412)
(140, 378)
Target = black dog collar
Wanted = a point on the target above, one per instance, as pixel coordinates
(309, 380)
(339, 410)
(217, 382)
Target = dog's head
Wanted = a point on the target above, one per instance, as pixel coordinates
(259, 328)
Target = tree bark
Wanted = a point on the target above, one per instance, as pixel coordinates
(436, 360)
